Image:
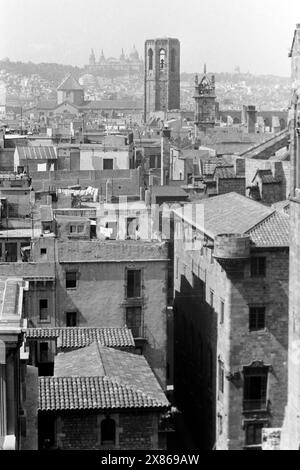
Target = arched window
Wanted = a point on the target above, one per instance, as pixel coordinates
(150, 59)
(162, 59)
(108, 432)
(173, 56)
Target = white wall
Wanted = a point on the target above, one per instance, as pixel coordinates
(93, 159)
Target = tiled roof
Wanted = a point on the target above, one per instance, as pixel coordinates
(227, 213)
(282, 206)
(273, 231)
(158, 191)
(37, 153)
(81, 393)
(97, 377)
(266, 177)
(224, 172)
(79, 337)
(70, 83)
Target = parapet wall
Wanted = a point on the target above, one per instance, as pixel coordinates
(232, 246)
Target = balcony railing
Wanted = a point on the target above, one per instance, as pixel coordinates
(255, 405)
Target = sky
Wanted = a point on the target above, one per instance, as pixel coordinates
(255, 35)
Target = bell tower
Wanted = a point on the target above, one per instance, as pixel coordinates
(290, 437)
(162, 75)
(205, 102)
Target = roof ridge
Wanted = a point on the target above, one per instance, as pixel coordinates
(267, 217)
(100, 355)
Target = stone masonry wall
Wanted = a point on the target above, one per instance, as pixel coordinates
(198, 327)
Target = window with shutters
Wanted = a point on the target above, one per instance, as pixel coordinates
(257, 318)
(44, 314)
(253, 435)
(258, 266)
(71, 280)
(71, 319)
(134, 281)
(255, 388)
(134, 321)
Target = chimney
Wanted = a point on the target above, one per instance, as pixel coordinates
(251, 119)
(277, 170)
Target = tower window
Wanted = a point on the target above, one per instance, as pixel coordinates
(162, 59)
(150, 59)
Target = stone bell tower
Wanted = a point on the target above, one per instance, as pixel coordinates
(205, 102)
(290, 437)
(162, 75)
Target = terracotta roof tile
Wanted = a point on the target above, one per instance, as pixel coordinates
(37, 153)
(227, 213)
(273, 231)
(81, 393)
(79, 337)
(97, 377)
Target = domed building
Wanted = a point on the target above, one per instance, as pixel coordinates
(110, 67)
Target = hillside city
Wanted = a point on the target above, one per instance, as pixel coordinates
(149, 256)
(32, 82)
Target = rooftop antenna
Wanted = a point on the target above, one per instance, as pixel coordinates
(204, 69)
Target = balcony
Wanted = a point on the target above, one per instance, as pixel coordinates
(255, 405)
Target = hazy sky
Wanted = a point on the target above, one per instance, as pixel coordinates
(253, 34)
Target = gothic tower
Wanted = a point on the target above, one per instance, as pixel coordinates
(290, 438)
(162, 75)
(205, 102)
(92, 59)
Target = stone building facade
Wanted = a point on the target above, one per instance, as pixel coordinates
(231, 320)
(290, 438)
(162, 75)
